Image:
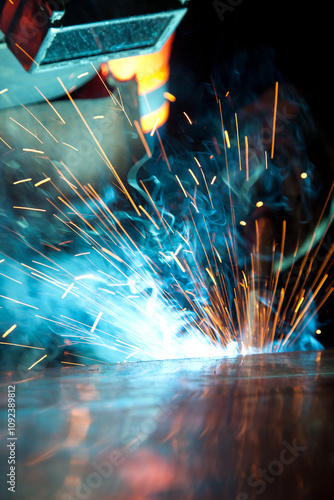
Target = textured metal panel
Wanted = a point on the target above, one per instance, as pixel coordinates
(258, 426)
(107, 40)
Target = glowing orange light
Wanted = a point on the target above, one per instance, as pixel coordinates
(169, 96)
(149, 121)
(104, 70)
(150, 70)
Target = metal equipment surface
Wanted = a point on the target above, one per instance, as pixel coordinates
(254, 427)
(44, 40)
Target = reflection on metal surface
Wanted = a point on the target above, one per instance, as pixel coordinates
(252, 427)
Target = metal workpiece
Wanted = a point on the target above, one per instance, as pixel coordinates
(258, 426)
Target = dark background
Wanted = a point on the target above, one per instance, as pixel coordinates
(299, 34)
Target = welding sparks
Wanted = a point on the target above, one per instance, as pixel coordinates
(18, 302)
(22, 345)
(24, 128)
(22, 180)
(69, 145)
(27, 150)
(198, 163)
(181, 185)
(247, 158)
(51, 105)
(178, 262)
(67, 290)
(155, 127)
(96, 322)
(7, 332)
(5, 143)
(274, 122)
(169, 96)
(227, 138)
(142, 138)
(171, 263)
(31, 208)
(149, 217)
(189, 120)
(43, 181)
(26, 53)
(69, 363)
(193, 176)
(38, 361)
